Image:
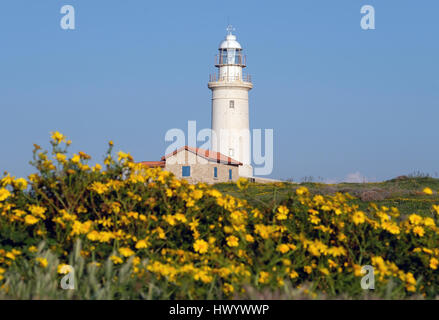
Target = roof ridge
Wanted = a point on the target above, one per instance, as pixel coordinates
(209, 154)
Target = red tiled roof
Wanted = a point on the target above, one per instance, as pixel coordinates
(153, 164)
(207, 154)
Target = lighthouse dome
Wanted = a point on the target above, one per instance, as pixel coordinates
(230, 43)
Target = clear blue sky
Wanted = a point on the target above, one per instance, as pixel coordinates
(341, 100)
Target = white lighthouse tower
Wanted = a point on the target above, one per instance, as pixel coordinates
(230, 110)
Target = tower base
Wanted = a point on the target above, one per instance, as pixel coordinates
(246, 171)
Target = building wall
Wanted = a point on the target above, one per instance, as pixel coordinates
(201, 169)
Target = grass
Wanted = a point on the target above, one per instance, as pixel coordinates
(404, 192)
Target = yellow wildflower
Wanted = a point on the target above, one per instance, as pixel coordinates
(60, 157)
(10, 255)
(263, 230)
(429, 222)
(426, 250)
(76, 158)
(419, 231)
(434, 263)
(242, 183)
(4, 194)
(283, 248)
(32, 249)
(293, 274)
(81, 228)
(228, 288)
(126, 252)
(200, 246)
(358, 217)
(116, 259)
(415, 219)
(341, 237)
(301, 191)
(391, 227)
(20, 184)
(357, 270)
(58, 137)
(30, 219)
(93, 236)
(325, 271)
(141, 244)
(115, 207)
(160, 232)
(37, 211)
(64, 268)
(232, 241)
(282, 213)
(263, 277)
(99, 187)
(42, 262)
(314, 219)
(197, 194)
(332, 263)
(123, 155)
(258, 215)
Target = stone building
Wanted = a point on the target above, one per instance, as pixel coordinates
(198, 165)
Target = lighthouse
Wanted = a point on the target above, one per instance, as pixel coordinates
(230, 107)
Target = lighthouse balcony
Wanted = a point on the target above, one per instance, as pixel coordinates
(230, 78)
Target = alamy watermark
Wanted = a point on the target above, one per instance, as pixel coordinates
(368, 281)
(368, 20)
(67, 281)
(68, 20)
(241, 144)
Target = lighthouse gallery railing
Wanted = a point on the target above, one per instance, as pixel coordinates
(228, 78)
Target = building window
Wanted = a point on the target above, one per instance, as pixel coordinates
(186, 171)
(215, 172)
(232, 104)
(230, 174)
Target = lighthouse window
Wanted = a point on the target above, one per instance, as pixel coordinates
(186, 171)
(232, 104)
(231, 152)
(230, 56)
(223, 57)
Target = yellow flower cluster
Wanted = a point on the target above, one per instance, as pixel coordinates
(193, 236)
